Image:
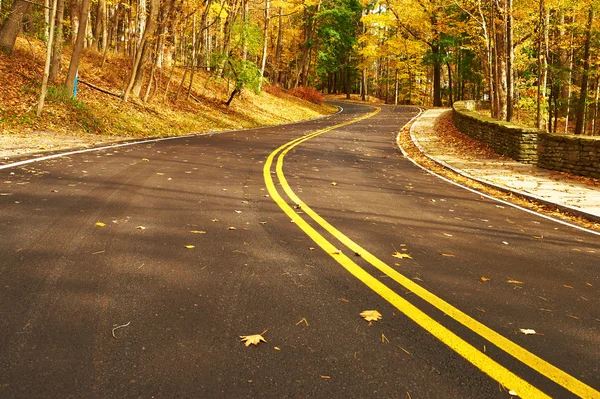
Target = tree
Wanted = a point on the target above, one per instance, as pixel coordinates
(77, 47)
(12, 25)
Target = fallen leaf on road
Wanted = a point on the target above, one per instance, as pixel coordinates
(145, 160)
(325, 377)
(334, 184)
(238, 211)
(190, 246)
(116, 327)
(215, 220)
(100, 224)
(253, 339)
(231, 228)
(448, 255)
(371, 315)
(401, 255)
(303, 321)
(448, 235)
(337, 252)
(504, 242)
(527, 331)
(483, 279)
(140, 228)
(197, 231)
(514, 282)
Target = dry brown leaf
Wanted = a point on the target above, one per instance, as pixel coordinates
(401, 255)
(483, 279)
(448, 255)
(371, 315)
(140, 228)
(253, 339)
(527, 331)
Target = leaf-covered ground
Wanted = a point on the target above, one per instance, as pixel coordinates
(456, 143)
(95, 117)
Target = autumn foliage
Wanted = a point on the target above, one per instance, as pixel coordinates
(308, 94)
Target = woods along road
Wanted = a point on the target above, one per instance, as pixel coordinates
(133, 271)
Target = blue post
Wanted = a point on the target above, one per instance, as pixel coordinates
(75, 85)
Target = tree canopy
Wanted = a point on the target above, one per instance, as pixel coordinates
(536, 63)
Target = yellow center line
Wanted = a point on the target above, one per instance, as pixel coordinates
(483, 362)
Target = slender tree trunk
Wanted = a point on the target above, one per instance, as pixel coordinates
(277, 74)
(396, 87)
(450, 86)
(75, 12)
(78, 47)
(52, 17)
(363, 85)
(193, 66)
(141, 53)
(501, 74)
(263, 61)
(348, 79)
(437, 76)
(596, 98)
(580, 114)
(510, 86)
(12, 26)
(57, 45)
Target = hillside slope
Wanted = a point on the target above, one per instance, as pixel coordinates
(95, 117)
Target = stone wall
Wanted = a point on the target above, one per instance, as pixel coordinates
(516, 142)
(579, 155)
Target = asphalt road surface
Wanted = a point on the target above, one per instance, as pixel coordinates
(132, 272)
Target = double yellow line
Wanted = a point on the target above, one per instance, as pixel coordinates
(468, 351)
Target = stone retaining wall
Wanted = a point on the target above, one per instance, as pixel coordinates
(579, 155)
(516, 142)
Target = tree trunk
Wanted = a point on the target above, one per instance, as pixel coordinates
(52, 17)
(450, 86)
(501, 75)
(510, 86)
(437, 76)
(74, 13)
(136, 78)
(580, 114)
(348, 79)
(193, 71)
(78, 47)
(57, 46)
(263, 61)
(277, 67)
(12, 26)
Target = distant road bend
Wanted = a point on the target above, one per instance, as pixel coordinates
(132, 271)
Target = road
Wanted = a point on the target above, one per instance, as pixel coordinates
(133, 271)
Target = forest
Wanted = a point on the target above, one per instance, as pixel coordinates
(535, 63)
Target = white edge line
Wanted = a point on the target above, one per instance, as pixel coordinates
(117, 145)
(479, 192)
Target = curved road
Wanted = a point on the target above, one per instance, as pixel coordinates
(133, 271)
